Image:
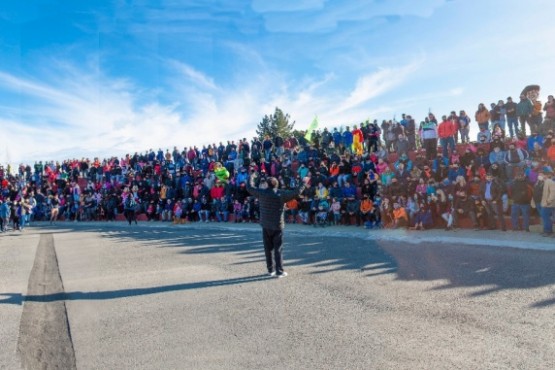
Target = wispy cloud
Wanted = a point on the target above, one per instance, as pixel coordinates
(315, 16)
(374, 84)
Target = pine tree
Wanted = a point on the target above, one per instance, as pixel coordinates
(275, 124)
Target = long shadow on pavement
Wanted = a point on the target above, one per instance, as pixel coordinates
(492, 268)
(17, 298)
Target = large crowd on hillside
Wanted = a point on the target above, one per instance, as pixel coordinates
(388, 174)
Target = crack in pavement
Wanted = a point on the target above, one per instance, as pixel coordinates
(44, 333)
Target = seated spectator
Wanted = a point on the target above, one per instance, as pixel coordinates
(400, 218)
(321, 217)
(366, 208)
(291, 211)
(464, 206)
(304, 209)
(423, 218)
(351, 210)
(514, 159)
(335, 212)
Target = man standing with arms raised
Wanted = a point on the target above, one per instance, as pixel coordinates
(272, 201)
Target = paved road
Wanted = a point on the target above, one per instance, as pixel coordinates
(196, 297)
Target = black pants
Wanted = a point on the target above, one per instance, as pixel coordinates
(495, 211)
(430, 145)
(272, 242)
(131, 215)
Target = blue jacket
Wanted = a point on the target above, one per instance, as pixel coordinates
(347, 138)
(337, 139)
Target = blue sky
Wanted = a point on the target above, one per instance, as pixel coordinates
(101, 78)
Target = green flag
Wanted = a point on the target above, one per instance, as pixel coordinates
(313, 126)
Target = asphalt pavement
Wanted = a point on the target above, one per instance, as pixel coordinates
(195, 296)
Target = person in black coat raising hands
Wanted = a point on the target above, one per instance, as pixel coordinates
(272, 201)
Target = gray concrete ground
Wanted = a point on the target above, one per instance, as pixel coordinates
(159, 296)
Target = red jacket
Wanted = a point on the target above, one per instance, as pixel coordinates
(446, 129)
(217, 192)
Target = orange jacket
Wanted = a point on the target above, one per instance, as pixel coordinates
(399, 213)
(292, 204)
(551, 153)
(334, 170)
(482, 116)
(446, 129)
(366, 206)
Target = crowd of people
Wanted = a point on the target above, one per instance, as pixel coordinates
(394, 174)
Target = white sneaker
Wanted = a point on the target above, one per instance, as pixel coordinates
(273, 273)
(282, 275)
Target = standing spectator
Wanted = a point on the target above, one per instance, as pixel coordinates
(494, 116)
(524, 110)
(347, 139)
(501, 112)
(278, 145)
(267, 146)
(482, 117)
(491, 193)
(428, 134)
(548, 203)
(410, 132)
(129, 208)
(512, 117)
(536, 117)
(446, 132)
(521, 194)
(549, 109)
(272, 202)
(373, 137)
(4, 215)
(402, 146)
(464, 126)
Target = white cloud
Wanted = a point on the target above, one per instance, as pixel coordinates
(372, 85)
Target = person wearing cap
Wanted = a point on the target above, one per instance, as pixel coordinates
(548, 202)
(512, 118)
(272, 203)
(491, 192)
